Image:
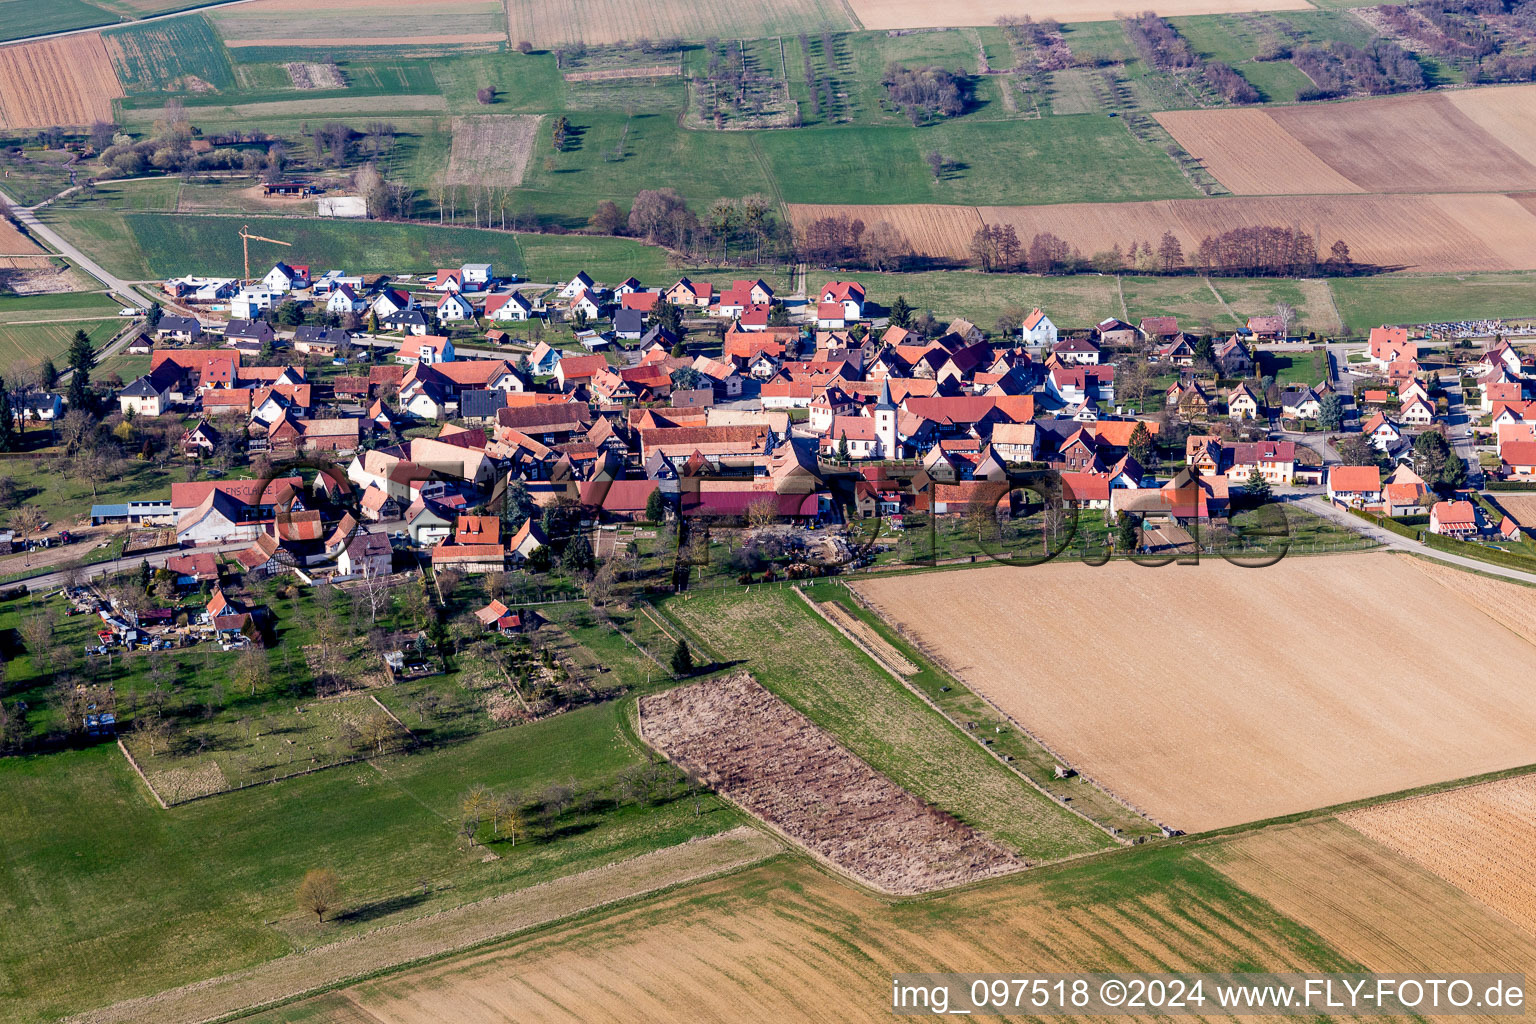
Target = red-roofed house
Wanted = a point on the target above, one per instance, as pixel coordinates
(1354, 486)
(1453, 519)
(574, 370)
(690, 293)
(1519, 458)
(426, 349)
(847, 294)
(1389, 344)
(645, 302)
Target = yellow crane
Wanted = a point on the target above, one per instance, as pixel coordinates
(245, 242)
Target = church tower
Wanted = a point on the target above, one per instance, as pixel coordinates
(885, 423)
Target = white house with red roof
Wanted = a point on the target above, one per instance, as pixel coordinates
(344, 299)
(1519, 458)
(283, 278)
(1076, 351)
(1383, 433)
(1416, 412)
(1038, 329)
(848, 294)
(1453, 519)
(425, 349)
(1388, 345)
(507, 307)
(644, 302)
(1354, 486)
(586, 302)
(831, 316)
(1274, 460)
(448, 281)
(691, 293)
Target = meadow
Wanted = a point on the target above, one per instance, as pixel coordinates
(27, 345)
(22, 18)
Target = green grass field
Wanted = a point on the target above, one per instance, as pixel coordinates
(27, 345)
(22, 18)
(1366, 302)
(155, 56)
(54, 306)
(804, 660)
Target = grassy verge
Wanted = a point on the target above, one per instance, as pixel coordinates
(800, 657)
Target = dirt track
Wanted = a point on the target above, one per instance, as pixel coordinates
(1213, 695)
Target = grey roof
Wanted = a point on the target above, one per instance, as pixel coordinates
(628, 321)
(257, 330)
(141, 388)
(331, 335)
(482, 404)
(658, 333)
(411, 317)
(170, 324)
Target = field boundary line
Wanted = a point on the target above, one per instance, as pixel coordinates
(1222, 302)
(757, 848)
(931, 656)
(142, 777)
(1058, 801)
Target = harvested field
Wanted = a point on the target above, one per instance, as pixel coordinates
(1252, 155)
(13, 242)
(1371, 905)
(890, 14)
(1450, 233)
(492, 150)
(1226, 695)
(549, 22)
(861, 633)
(754, 749)
(25, 262)
(66, 81)
(1521, 506)
(445, 931)
(1508, 604)
(308, 75)
(772, 942)
(1481, 839)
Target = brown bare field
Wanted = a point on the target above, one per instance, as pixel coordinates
(784, 942)
(1481, 839)
(1444, 233)
(1416, 143)
(13, 242)
(889, 14)
(1521, 506)
(459, 928)
(492, 149)
(1369, 903)
(1252, 155)
(1508, 604)
(1505, 112)
(549, 22)
(66, 81)
(25, 262)
(1224, 695)
(757, 751)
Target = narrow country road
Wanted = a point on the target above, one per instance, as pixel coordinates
(121, 288)
(1387, 539)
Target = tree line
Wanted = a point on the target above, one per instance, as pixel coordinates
(1340, 69)
(1161, 45)
(1249, 251)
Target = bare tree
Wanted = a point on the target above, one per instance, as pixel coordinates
(374, 589)
(319, 892)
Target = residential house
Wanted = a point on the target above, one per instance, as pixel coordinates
(320, 341)
(367, 555)
(508, 307)
(1383, 433)
(391, 301)
(1159, 330)
(830, 316)
(1388, 345)
(1115, 332)
(847, 294)
(1354, 486)
(179, 328)
(1518, 458)
(689, 293)
(575, 371)
(1275, 461)
(576, 286)
(251, 302)
(1453, 519)
(410, 322)
(282, 279)
(454, 308)
(425, 350)
(1039, 331)
(1071, 384)
(476, 277)
(144, 398)
(1243, 403)
(628, 324)
(1301, 403)
(1416, 412)
(343, 300)
(1233, 359)
(1076, 351)
(1266, 328)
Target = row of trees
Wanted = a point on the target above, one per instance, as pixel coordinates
(731, 230)
(1161, 45)
(840, 240)
(1249, 251)
(819, 86)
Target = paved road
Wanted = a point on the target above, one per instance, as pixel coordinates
(1322, 507)
(122, 288)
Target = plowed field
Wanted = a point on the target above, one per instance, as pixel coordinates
(549, 22)
(1481, 839)
(1223, 695)
(893, 14)
(1447, 233)
(66, 81)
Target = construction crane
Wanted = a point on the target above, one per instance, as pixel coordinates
(245, 242)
